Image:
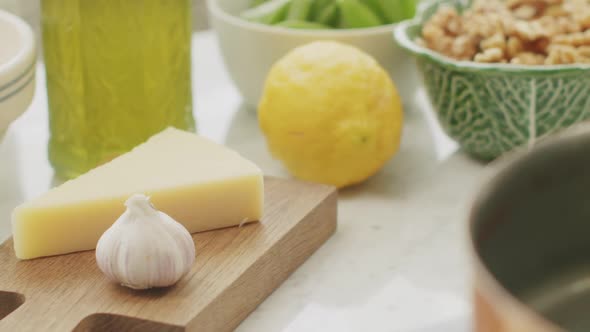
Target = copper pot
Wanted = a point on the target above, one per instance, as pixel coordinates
(530, 237)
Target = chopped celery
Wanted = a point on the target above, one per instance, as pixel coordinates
(299, 10)
(355, 14)
(297, 24)
(269, 12)
(347, 14)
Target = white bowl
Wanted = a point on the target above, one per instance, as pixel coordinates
(249, 49)
(17, 68)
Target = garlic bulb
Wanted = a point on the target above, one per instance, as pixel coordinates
(145, 248)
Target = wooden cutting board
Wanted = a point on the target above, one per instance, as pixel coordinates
(235, 270)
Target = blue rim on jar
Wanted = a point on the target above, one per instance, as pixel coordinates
(493, 108)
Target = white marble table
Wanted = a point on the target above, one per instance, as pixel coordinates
(398, 261)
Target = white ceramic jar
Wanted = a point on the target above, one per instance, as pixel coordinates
(17, 68)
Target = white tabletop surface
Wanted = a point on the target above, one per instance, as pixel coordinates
(398, 262)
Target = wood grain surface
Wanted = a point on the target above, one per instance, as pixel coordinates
(235, 270)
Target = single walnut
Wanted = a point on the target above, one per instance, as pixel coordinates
(464, 47)
(566, 25)
(583, 18)
(513, 47)
(584, 51)
(528, 58)
(558, 25)
(526, 12)
(489, 7)
(481, 26)
(549, 23)
(490, 55)
(556, 10)
(579, 10)
(530, 31)
(509, 26)
(496, 41)
(436, 39)
(443, 15)
(573, 39)
(455, 26)
(432, 31)
(562, 54)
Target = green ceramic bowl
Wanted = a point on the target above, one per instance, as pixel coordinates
(493, 108)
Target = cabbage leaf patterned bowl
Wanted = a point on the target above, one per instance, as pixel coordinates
(491, 109)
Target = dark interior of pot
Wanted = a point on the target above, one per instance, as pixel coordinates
(532, 231)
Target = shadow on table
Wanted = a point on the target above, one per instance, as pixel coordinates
(245, 137)
(462, 324)
(416, 157)
(416, 237)
(10, 188)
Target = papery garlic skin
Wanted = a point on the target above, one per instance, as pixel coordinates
(145, 248)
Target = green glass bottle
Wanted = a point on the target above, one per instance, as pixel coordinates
(118, 71)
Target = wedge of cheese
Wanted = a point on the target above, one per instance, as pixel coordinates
(201, 184)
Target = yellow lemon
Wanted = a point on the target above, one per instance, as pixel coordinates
(330, 113)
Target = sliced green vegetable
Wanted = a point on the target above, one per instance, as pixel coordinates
(318, 6)
(270, 12)
(347, 14)
(409, 9)
(392, 10)
(375, 6)
(397, 10)
(355, 14)
(299, 10)
(256, 3)
(329, 15)
(297, 24)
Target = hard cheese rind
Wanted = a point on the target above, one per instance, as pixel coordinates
(201, 184)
